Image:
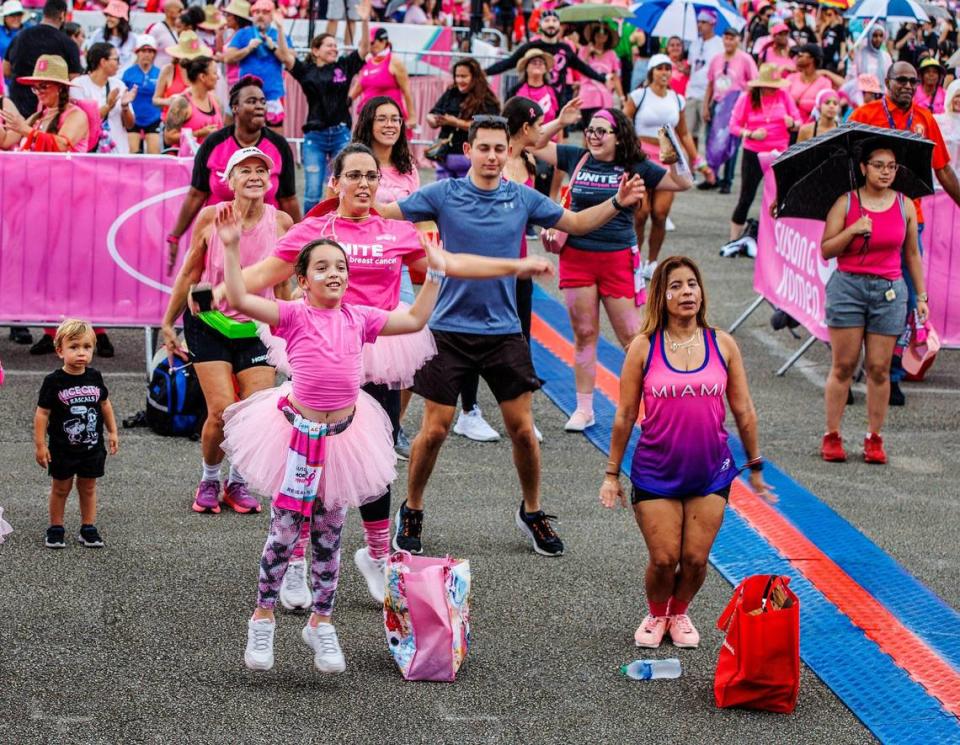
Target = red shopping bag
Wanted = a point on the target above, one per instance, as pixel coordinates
(759, 664)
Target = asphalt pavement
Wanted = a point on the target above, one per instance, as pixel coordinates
(143, 640)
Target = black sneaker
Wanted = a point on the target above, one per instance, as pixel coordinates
(55, 537)
(409, 524)
(20, 335)
(725, 189)
(43, 346)
(536, 526)
(896, 395)
(89, 537)
(104, 346)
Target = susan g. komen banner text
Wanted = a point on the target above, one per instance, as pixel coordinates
(84, 236)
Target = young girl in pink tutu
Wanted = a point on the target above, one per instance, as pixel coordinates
(317, 444)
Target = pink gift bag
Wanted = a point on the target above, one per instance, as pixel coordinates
(426, 614)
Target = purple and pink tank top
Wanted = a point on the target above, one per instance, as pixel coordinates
(682, 449)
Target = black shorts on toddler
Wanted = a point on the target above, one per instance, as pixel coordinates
(75, 426)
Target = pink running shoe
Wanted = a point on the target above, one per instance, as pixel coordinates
(650, 633)
(207, 498)
(239, 498)
(682, 632)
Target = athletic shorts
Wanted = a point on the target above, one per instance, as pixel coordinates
(150, 129)
(336, 10)
(209, 345)
(88, 465)
(502, 360)
(860, 301)
(693, 113)
(642, 495)
(610, 271)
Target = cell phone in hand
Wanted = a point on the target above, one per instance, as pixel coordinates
(203, 297)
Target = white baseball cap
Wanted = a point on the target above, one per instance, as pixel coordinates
(145, 41)
(12, 8)
(657, 60)
(241, 155)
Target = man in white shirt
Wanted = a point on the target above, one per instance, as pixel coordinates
(704, 48)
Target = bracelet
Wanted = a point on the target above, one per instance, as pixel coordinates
(435, 275)
(171, 238)
(755, 464)
(612, 473)
(616, 204)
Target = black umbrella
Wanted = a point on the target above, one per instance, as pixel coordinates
(811, 175)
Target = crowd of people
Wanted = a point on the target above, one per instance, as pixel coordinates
(331, 284)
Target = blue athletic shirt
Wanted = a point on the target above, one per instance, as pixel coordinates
(596, 182)
(144, 112)
(486, 223)
(261, 61)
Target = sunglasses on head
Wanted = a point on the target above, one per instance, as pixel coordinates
(490, 119)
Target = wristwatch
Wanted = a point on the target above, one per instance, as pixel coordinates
(922, 297)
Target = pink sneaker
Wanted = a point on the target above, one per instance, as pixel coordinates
(650, 633)
(239, 498)
(682, 632)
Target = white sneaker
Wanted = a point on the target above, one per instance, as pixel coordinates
(374, 571)
(537, 433)
(294, 590)
(670, 225)
(473, 426)
(649, 267)
(579, 421)
(259, 652)
(327, 655)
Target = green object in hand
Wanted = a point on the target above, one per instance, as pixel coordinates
(227, 326)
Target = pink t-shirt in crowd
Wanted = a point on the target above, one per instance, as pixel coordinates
(804, 95)
(679, 80)
(731, 75)
(395, 186)
(936, 106)
(545, 97)
(376, 248)
(771, 116)
(594, 94)
(324, 349)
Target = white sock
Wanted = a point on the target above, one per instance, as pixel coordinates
(211, 473)
(585, 403)
(235, 477)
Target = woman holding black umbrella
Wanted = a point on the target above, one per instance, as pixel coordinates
(871, 231)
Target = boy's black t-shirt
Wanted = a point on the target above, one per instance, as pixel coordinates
(76, 416)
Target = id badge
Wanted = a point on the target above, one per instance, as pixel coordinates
(890, 295)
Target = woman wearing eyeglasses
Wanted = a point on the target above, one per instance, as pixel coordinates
(872, 233)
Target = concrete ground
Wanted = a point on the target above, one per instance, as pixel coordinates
(143, 641)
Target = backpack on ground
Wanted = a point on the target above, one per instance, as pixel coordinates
(175, 403)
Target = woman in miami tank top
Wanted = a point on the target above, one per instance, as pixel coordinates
(682, 468)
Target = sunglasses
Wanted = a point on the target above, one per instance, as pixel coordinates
(906, 80)
(490, 119)
(41, 87)
(598, 132)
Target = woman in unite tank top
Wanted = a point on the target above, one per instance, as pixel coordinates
(682, 469)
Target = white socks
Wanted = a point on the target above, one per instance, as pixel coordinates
(585, 403)
(211, 473)
(235, 477)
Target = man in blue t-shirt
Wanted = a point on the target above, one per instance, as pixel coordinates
(475, 322)
(263, 49)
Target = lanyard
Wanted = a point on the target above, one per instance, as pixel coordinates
(886, 110)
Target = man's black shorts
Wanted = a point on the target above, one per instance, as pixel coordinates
(209, 345)
(502, 360)
(88, 465)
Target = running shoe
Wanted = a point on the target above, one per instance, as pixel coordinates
(56, 537)
(89, 536)
(649, 267)
(832, 448)
(682, 632)
(327, 655)
(536, 526)
(294, 590)
(104, 346)
(44, 345)
(579, 421)
(537, 433)
(873, 451)
(239, 498)
(207, 498)
(20, 335)
(670, 226)
(402, 446)
(650, 632)
(374, 571)
(259, 652)
(409, 525)
(896, 394)
(473, 426)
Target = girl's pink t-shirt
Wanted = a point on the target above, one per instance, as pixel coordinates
(324, 349)
(545, 97)
(594, 94)
(395, 186)
(376, 249)
(936, 106)
(805, 94)
(770, 116)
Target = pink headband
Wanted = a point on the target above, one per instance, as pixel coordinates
(607, 117)
(825, 94)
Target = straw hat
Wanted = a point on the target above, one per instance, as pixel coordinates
(932, 62)
(239, 8)
(189, 47)
(49, 69)
(769, 77)
(213, 18)
(533, 54)
(117, 9)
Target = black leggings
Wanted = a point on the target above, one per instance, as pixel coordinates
(751, 176)
(389, 401)
(471, 381)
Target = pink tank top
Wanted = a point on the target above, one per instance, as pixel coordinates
(200, 119)
(377, 80)
(882, 254)
(255, 244)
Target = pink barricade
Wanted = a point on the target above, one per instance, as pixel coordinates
(84, 236)
(941, 269)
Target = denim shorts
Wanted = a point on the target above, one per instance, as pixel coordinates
(860, 301)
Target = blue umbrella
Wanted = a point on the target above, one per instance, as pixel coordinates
(892, 11)
(679, 17)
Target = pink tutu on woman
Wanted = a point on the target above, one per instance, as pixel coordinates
(360, 462)
(390, 360)
(652, 152)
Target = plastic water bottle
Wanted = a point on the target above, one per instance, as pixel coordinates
(652, 669)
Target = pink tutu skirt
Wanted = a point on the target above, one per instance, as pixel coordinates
(359, 466)
(4, 526)
(652, 152)
(390, 360)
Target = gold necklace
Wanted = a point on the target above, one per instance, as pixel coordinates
(689, 344)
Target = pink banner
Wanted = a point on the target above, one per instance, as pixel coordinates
(84, 236)
(941, 269)
(789, 271)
